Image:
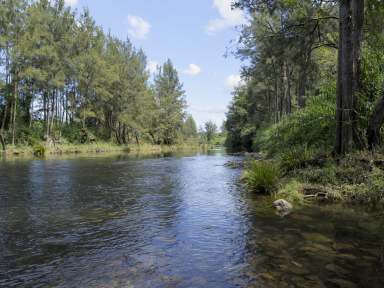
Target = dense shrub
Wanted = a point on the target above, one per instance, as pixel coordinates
(39, 150)
(316, 175)
(295, 158)
(312, 127)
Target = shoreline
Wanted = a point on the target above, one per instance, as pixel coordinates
(43, 152)
(357, 179)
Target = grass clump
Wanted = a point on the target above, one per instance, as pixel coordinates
(295, 158)
(292, 192)
(318, 175)
(369, 192)
(261, 176)
(39, 150)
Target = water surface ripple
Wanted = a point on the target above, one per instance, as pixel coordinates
(170, 222)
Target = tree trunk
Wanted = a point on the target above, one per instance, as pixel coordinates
(345, 81)
(357, 34)
(288, 100)
(302, 87)
(2, 142)
(375, 123)
(14, 112)
(5, 115)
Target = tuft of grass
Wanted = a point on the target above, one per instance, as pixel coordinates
(261, 176)
(315, 175)
(370, 192)
(292, 192)
(295, 158)
(39, 150)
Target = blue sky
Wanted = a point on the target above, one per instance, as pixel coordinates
(194, 34)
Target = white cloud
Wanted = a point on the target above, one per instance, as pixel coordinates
(228, 17)
(137, 27)
(71, 2)
(233, 81)
(193, 70)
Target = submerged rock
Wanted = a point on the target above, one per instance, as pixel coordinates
(283, 206)
(342, 283)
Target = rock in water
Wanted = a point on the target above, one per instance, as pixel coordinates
(283, 206)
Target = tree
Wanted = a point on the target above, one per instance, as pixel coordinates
(210, 131)
(170, 98)
(351, 15)
(189, 128)
(65, 78)
(372, 85)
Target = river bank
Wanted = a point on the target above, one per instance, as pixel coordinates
(46, 151)
(356, 179)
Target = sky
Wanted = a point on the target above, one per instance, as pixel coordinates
(194, 34)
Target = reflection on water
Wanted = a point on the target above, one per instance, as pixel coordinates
(171, 222)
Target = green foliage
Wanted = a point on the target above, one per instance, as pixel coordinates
(292, 192)
(189, 128)
(78, 83)
(317, 175)
(39, 150)
(72, 133)
(210, 130)
(170, 102)
(241, 123)
(261, 176)
(312, 127)
(295, 158)
(30, 135)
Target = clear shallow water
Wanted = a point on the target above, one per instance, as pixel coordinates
(171, 222)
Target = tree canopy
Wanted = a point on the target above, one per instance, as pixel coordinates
(64, 79)
(306, 59)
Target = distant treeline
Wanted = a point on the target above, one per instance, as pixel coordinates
(64, 79)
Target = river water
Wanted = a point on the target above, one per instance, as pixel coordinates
(172, 221)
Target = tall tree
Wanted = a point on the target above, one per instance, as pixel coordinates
(210, 131)
(170, 98)
(351, 13)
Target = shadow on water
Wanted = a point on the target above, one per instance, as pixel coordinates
(177, 220)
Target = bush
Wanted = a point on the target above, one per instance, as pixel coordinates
(295, 158)
(29, 135)
(261, 176)
(315, 175)
(72, 133)
(312, 127)
(39, 150)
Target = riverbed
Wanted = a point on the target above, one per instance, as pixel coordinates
(176, 220)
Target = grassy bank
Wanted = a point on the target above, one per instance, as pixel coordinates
(42, 150)
(303, 178)
(301, 165)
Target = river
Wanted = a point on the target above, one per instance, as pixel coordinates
(172, 221)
